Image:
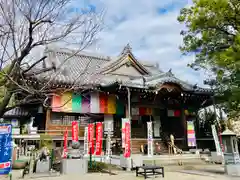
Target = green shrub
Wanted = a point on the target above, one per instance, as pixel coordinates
(96, 166)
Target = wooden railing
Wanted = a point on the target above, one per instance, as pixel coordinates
(52, 132)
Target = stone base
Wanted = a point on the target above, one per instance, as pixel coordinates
(75, 153)
(74, 166)
(42, 166)
(216, 158)
(126, 163)
(233, 169)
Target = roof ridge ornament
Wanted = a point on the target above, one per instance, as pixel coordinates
(169, 73)
(127, 49)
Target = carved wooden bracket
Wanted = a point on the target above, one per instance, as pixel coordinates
(170, 87)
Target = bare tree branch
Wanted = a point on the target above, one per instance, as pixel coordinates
(34, 64)
(26, 26)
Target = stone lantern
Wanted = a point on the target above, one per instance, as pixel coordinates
(231, 153)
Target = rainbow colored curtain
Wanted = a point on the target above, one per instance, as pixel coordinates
(56, 103)
(93, 103)
(191, 134)
(141, 111)
(174, 113)
(66, 102)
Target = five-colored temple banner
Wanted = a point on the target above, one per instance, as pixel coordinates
(91, 138)
(191, 134)
(111, 104)
(177, 113)
(149, 111)
(103, 103)
(127, 152)
(174, 113)
(99, 134)
(66, 101)
(85, 104)
(56, 103)
(98, 103)
(76, 103)
(135, 111)
(93, 103)
(141, 111)
(119, 106)
(74, 131)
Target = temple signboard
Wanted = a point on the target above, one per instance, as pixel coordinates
(5, 148)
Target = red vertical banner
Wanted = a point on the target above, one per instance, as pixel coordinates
(90, 138)
(99, 135)
(74, 131)
(65, 142)
(127, 152)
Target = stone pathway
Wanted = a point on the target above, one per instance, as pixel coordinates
(131, 176)
(183, 175)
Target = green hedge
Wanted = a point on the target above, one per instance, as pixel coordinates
(96, 166)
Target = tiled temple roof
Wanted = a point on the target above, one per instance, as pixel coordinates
(88, 68)
(16, 112)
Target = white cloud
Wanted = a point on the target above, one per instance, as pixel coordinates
(153, 36)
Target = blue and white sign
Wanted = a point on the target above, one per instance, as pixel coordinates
(5, 148)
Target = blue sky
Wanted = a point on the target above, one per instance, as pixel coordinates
(151, 28)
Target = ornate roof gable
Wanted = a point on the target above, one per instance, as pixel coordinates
(158, 80)
(126, 58)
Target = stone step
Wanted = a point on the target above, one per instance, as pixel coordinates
(170, 163)
(175, 160)
(136, 145)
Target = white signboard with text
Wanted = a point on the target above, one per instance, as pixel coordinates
(86, 141)
(150, 138)
(108, 149)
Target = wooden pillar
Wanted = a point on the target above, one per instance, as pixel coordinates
(184, 123)
(62, 144)
(126, 111)
(48, 119)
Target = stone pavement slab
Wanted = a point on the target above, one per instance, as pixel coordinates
(184, 175)
(131, 176)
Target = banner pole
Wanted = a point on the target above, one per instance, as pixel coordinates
(129, 117)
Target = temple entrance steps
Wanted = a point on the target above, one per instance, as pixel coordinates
(171, 160)
(163, 147)
(137, 143)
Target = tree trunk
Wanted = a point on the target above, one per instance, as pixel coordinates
(5, 102)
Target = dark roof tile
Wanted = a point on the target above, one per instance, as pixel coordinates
(84, 68)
